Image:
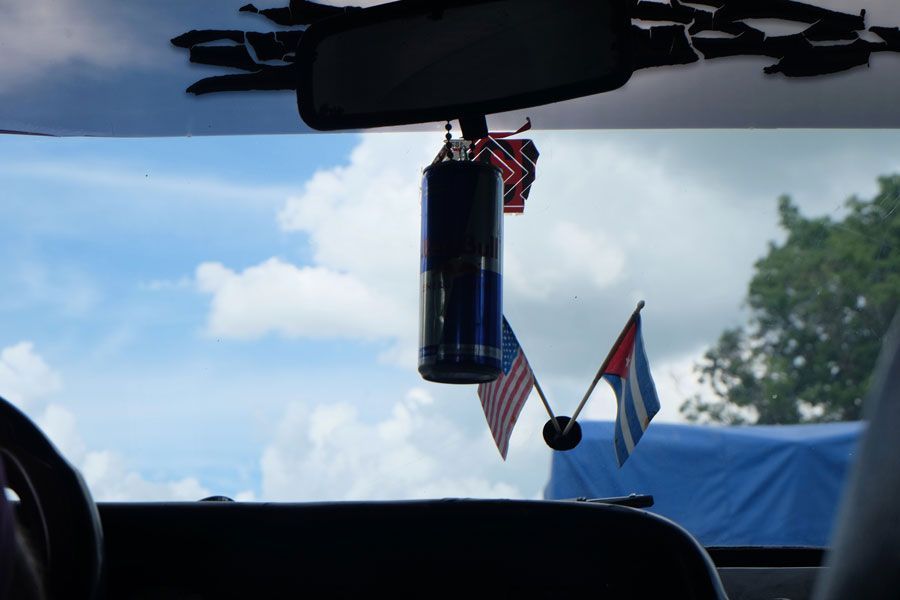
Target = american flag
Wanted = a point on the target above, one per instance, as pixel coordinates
(503, 398)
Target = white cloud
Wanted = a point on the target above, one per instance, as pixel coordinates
(362, 224)
(569, 253)
(59, 424)
(110, 479)
(27, 381)
(330, 451)
(310, 302)
(24, 376)
(363, 218)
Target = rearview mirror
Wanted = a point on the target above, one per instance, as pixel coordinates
(417, 61)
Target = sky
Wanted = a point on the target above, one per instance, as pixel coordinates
(238, 315)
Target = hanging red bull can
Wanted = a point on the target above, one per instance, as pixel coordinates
(461, 309)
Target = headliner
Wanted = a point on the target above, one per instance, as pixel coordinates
(105, 68)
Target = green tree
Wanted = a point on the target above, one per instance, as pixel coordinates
(819, 305)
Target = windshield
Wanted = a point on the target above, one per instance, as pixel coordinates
(238, 315)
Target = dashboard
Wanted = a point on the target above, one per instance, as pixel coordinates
(438, 548)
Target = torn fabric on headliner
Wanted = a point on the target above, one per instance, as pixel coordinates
(167, 67)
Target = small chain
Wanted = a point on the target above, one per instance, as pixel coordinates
(453, 149)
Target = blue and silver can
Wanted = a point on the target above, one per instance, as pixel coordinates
(461, 309)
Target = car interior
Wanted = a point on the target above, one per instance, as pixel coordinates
(416, 64)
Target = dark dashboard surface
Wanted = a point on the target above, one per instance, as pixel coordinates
(442, 548)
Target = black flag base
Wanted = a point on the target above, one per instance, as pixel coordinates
(558, 441)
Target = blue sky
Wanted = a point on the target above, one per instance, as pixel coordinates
(93, 224)
(238, 315)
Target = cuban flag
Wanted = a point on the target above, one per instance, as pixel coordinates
(628, 372)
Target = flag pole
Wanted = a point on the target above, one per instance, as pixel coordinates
(603, 366)
(543, 398)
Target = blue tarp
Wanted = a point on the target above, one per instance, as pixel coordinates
(729, 486)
